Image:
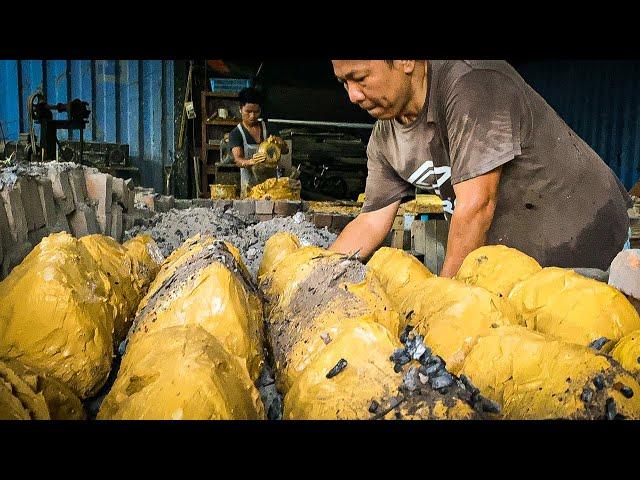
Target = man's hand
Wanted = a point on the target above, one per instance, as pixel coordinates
(366, 232)
(475, 205)
(256, 159)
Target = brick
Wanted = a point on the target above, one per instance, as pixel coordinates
(203, 202)
(338, 222)
(36, 235)
(14, 257)
(62, 192)
(286, 208)
(398, 223)
(183, 204)
(78, 185)
(15, 214)
(45, 192)
(31, 203)
(263, 217)
(100, 189)
(624, 273)
(83, 221)
(245, 207)
(140, 192)
(116, 222)
(164, 203)
(264, 207)
(321, 220)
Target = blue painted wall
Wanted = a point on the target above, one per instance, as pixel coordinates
(131, 101)
(600, 101)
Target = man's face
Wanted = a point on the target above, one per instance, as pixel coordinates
(250, 113)
(375, 86)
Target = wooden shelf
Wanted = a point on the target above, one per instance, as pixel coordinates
(214, 129)
(223, 121)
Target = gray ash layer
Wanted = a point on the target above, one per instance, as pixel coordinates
(172, 228)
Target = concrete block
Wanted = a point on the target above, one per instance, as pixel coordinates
(128, 221)
(83, 221)
(321, 220)
(263, 217)
(6, 238)
(245, 207)
(100, 189)
(118, 188)
(116, 222)
(62, 192)
(129, 195)
(36, 235)
(264, 207)
(78, 185)
(45, 192)
(287, 208)
(16, 218)
(31, 203)
(14, 257)
(61, 224)
(624, 273)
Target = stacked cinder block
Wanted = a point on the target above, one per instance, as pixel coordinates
(39, 199)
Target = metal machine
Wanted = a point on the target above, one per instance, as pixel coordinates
(41, 112)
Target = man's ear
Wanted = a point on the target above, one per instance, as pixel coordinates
(407, 66)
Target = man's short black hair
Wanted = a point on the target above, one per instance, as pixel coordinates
(249, 95)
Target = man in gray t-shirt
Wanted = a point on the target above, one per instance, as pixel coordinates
(509, 170)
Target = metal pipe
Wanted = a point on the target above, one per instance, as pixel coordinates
(325, 124)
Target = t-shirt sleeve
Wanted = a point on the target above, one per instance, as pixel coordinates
(384, 186)
(235, 139)
(484, 114)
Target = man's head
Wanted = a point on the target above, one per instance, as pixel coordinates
(381, 87)
(250, 102)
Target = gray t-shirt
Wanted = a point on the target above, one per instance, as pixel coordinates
(558, 201)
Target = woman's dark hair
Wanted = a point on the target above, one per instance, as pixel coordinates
(249, 95)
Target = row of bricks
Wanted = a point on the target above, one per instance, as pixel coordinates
(79, 201)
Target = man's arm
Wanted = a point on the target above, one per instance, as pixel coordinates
(238, 157)
(475, 204)
(366, 232)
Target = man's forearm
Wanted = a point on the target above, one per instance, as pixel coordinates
(468, 231)
(358, 235)
(367, 231)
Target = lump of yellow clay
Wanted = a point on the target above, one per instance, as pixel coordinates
(496, 268)
(181, 373)
(536, 377)
(202, 284)
(80, 292)
(577, 309)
